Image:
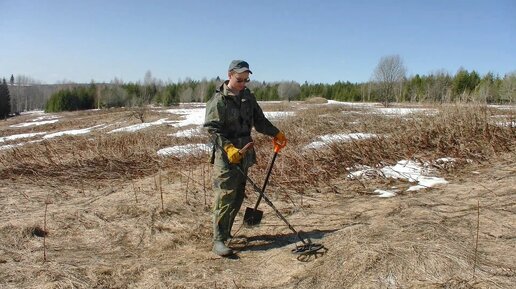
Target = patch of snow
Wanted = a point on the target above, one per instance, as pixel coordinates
(406, 170)
(45, 117)
(32, 112)
(445, 160)
(5, 147)
(22, 135)
(191, 116)
(503, 106)
(355, 104)
(331, 138)
(35, 123)
(404, 111)
(187, 133)
(193, 104)
(362, 171)
(506, 123)
(71, 132)
(412, 172)
(269, 101)
(140, 126)
(385, 193)
(278, 114)
(182, 150)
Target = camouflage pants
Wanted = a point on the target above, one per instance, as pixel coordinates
(229, 187)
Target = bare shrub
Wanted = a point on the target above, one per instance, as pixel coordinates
(460, 131)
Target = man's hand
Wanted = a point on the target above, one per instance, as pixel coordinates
(280, 139)
(233, 153)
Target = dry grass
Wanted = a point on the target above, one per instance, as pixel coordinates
(459, 131)
(465, 132)
(107, 227)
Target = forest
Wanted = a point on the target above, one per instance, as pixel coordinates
(387, 84)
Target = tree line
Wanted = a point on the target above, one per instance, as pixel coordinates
(388, 83)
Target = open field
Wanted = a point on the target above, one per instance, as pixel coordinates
(96, 199)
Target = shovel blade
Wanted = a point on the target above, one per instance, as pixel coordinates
(252, 217)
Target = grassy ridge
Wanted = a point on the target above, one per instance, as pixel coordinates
(460, 131)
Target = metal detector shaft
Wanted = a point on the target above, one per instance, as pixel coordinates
(269, 202)
(266, 181)
(261, 193)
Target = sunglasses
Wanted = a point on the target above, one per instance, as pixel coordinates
(242, 80)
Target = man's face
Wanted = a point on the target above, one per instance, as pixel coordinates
(237, 81)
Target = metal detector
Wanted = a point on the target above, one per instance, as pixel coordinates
(307, 248)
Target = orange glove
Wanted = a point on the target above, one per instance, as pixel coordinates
(280, 139)
(233, 153)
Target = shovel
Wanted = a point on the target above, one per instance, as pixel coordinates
(253, 216)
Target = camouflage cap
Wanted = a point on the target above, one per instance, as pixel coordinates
(239, 66)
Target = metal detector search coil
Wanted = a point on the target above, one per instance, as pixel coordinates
(307, 248)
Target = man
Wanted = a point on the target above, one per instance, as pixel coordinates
(230, 115)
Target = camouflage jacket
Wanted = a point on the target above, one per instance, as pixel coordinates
(231, 118)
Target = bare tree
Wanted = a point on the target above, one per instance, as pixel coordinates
(508, 89)
(186, 95)
(438, 87)
(389, 75)
(289, 90)
(200, 90)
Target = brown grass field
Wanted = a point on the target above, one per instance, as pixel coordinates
(104, 210)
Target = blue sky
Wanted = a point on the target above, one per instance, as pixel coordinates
(314, 41)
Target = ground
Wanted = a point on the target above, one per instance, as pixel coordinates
(96, 209)
(119, 236)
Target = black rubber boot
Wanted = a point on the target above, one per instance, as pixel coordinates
(221, 249)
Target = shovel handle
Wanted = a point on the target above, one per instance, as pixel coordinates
(266, 180)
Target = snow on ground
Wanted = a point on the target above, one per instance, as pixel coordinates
(182, 150)
(41, 120)
(139, 126)
(191, 116)
(35, 123)
(354, 104)
(385, 193)
(46, 117)
(503, 106)
(72, 132)
(18, 136)
(406, 170)
(506, 123)
(10, 146)
(331, 138)
(412, 172)
(6, 147)
(278, 114)
(403, 111)
(194, 115)
(33, 112)
(187, 132)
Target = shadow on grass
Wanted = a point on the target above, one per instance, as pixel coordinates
(267, 242)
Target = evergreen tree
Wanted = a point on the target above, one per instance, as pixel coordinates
(464, 82)
(5, 100)
(77, 98)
